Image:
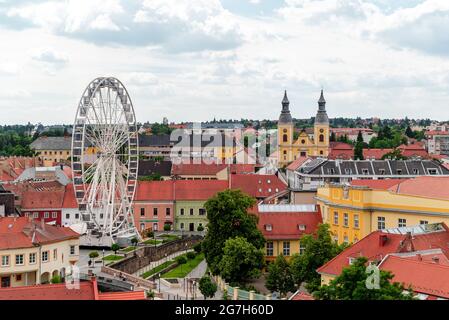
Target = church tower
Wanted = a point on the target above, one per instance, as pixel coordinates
(285, 132)
(321, 129)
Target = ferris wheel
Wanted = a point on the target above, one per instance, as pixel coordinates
(105, 160)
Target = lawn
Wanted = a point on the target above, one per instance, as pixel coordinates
(128, 249)
(152, 242)
(169, 237)
(149, 273)
(183, 270)
(112, 257)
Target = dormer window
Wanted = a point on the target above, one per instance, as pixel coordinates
(301, 227)
(415, 171)
(348, 171)
(331, 171)
(399, 171)
(268, 227)
(269, 189)
(365, 171)
(268, 181)
(381, 171)
(432, 171)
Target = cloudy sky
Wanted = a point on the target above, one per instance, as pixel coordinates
(193, 60)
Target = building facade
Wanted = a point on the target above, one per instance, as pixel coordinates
(355, 211)
(32, 252)
(51, 150)
(316, 144)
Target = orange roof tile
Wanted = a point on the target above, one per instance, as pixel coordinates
(198, 189)
(154, 190)
(424, 186)
(129, 295)
(375, 153)
(383, 184)
(297, 163)
(257, 185)
(50, 292)
(284, 225)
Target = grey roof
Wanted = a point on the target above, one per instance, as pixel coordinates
(154, 140)
(149, 167)
(52, 143)
(372, 168)
(217, 125)
(30, 174)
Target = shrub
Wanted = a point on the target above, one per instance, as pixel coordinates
(56, 279)
(197, 247)
(93, 255)
(150, 234)
(181, 259)
(167, 227)
(190, 255)
(115, 247)
(200, 228)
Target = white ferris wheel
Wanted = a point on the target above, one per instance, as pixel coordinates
(105, 161)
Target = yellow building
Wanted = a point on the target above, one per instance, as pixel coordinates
(307, 144)
(355, 211)
(32, 253)
(51, 150)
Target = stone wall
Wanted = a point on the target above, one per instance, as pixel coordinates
(145, 255)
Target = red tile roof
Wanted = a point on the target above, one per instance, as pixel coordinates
(129, 295)
(58, 291)
(257, 185)
(301, 296)
(376, 154)
(154, 190)
(341, 150)
(284, 225)
(424, 277)
(69, 200)
(383, 184)
(297, 163)
(198, 189)
(378, 244)
(435, 132)
(24, 233)
(201, 169)
(424, 186)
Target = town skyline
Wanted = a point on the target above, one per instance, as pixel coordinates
(372, 57)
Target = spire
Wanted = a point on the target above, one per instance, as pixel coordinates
(285, 116)
(321, 116)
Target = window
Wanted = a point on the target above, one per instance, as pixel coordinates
(182, 226)
(19, 259)
(45, 256)
(270, 250)
(167, 211)
(402, 222)
(381, 172)
(415, 171)
(423, 222)
(142, 226)
(202, 211)
(399, 171)
(331, 171)
(73, 249)
(46, 215)
(356, 221)
(303, 141)
(432, 171)
(142, 212)
(302, 248)
(345, 219)
(182, 211)
(18, 277)
(77, 216)
(55, 254)
(67, 215)
(345, 239)
(284, 138)
(380, 223)
(321, 137)
(54, 215)
(32, 258)
(5, 261)
(365, 171)
(191, 211)
(154, 211)
(268, 227)
(348, 171)
(335, 217)
(286, 248)
(301, 227)
(36, 215)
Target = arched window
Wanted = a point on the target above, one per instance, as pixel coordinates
(284, 138)
(321, 137)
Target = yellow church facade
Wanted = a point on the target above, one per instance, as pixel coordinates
(309, 142)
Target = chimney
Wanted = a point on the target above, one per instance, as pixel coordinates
(383, 240)
(435, 259)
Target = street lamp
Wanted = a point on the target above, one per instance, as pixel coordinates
(159, 276)
(103, 257)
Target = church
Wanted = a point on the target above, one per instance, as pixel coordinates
(310, 142)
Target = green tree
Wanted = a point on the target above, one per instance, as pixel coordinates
(134, 241)
(358, 151)
(409, 133)
(241, 260)
(280, 277)
(56, 279)
(394, 155)
(332, 137)
(318, 249)
(181, 260)
(93, 255)
(115, 247)
(351, 284)
(228, 218)
(207, 287)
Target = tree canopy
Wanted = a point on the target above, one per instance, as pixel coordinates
(241, 260)
(352, 284)
(228, 218)
(207, 287)
(280, 277)
(318, 249)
